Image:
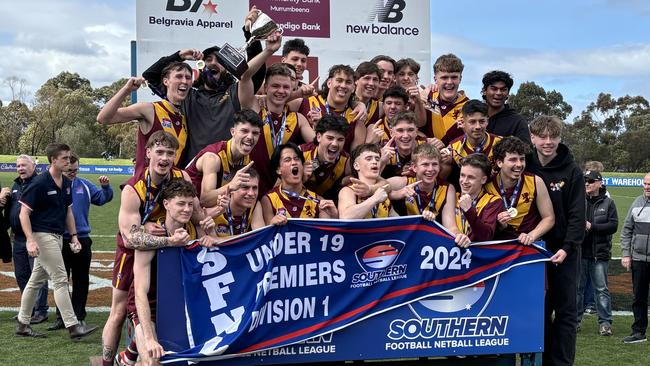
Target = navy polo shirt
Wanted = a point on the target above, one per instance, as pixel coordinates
(48, 202)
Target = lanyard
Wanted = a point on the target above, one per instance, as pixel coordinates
(231, 221)
(298, 196)
(149, 205)
(276, 140)
(432, 202)
(477, 149)
(514, 193)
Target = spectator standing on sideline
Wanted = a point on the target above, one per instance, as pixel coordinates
(24, 263)
(601, 224)
(635, 252)
(46, 211)
(83, 194)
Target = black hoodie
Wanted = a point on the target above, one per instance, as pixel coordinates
(509, 123)
(601, 213)
(566, 188)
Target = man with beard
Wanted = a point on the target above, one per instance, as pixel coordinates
(445, 104)
(365, 164)
(221, 168)
(335, 100)
(425, 194)
(291, 198)
(395, 101)
(504, 121)
(163, 115)
(325, 154)
(211, 104)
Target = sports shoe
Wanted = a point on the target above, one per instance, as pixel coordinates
(122, 360)
(590, 311)
(605, 330)
(635, 338)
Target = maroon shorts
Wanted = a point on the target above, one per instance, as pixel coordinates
(123, 267)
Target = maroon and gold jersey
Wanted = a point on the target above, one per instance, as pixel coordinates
(263, 150)
(223, 149)
(326, 178)
(426, 201)
(480, 221)
(228, 225)
(527, 214)
(397, 163)
(165, 118)
(292, 206)
(461, 147)
(318, 103)
(441, 121)
(380, 211)
(372, 109)
(148, 193)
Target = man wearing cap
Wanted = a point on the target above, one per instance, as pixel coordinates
(635, 255)
(212, 102)
(601, 223)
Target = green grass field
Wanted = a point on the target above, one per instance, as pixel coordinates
(57, 349)
(592, 349)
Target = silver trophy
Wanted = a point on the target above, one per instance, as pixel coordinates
(234, 59)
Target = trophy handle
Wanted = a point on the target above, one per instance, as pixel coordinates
(253, 39)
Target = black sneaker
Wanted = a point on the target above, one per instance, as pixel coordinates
(635, 338)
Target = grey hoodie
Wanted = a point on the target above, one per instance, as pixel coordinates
(635, 237)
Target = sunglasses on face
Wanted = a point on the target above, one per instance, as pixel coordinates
(590, 181)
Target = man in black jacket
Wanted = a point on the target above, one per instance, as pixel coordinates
(554, 163)
(601, 224)
(211, 105)
(504, 121)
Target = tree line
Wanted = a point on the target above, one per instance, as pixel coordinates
(611, 130)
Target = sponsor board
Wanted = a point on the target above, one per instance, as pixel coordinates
(336, 31)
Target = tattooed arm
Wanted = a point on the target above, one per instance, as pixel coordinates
(129, 223)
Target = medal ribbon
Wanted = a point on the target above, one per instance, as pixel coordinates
(231, 221)
(515, 192)
(277, 140)
(299, 196)
(432, 202)
(150, 204)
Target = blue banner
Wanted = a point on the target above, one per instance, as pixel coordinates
(83, 169)
(284, 285)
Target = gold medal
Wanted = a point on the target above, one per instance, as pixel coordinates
(513, 212)
(144, 85)
(200, 64)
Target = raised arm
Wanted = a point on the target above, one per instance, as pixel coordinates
(112, 112)
(246, 89)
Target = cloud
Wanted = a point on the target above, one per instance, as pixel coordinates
(44, 38)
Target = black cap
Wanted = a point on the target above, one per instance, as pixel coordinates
(592, 174)
(209, 50)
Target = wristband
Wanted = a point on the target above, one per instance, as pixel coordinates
(75, 234)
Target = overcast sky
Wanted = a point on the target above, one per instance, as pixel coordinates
(579, 48)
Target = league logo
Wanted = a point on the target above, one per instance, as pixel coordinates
(379, 262)
(166, 123)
